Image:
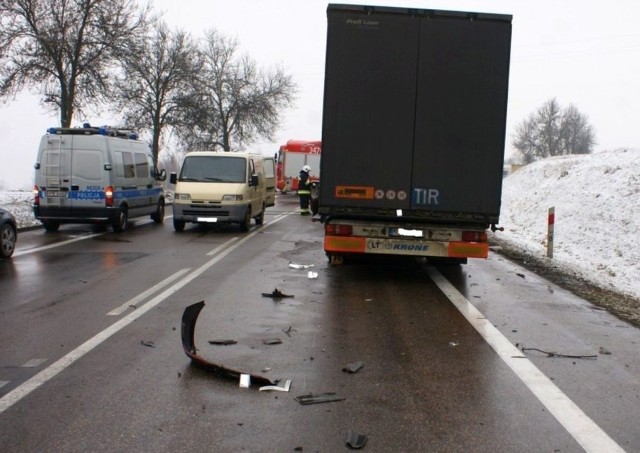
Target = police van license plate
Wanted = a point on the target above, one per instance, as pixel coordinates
(208, 219)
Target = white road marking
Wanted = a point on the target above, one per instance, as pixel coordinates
(60, 365)
(34, 363)
(3, 383)
(584, 430)
(133, 303)
(222, 246)
(57, 244)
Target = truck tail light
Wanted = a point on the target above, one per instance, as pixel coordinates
(108, 196)
(36, 195)
(474, 236)
(338, 230)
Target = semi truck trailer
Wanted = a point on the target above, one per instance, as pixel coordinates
(413, 131)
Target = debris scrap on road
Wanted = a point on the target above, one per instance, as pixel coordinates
(310, 398)
(354, 440)
(189, 318)
(353, 367)
(276, 294)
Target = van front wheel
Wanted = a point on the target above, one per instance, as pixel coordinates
(246, 222)
(260, 217)
(158, 216)
(50, 226)
(121, 221)
(178, 225)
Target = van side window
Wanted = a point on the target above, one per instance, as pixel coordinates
(152, 165)
(269, 168)
(124, 165)
(142, 166)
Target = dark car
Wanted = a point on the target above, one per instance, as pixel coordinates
(8, 233)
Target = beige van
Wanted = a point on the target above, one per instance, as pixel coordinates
(222, 187)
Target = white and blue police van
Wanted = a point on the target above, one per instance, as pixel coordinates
(96, 175)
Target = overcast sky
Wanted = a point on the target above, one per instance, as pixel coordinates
(585, 52)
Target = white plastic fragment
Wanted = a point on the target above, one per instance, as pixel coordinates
(312, 274)
(277, 388)
(300, 266)
(245, 381)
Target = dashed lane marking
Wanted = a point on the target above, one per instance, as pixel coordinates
(133, 303)
(67, 360)
(34, 363)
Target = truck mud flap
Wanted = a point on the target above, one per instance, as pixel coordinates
(189, 318)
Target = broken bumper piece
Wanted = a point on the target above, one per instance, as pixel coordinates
(189, 318)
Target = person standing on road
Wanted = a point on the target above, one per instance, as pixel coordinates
(304, 190)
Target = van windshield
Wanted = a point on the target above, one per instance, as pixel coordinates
(213, 169)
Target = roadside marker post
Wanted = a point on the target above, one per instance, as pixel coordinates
(551, 221)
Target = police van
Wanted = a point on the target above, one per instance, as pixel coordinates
(223, 187)
(96, 175)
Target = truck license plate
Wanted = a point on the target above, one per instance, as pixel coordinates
(402, 232)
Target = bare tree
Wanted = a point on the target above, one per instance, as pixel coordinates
(65, 49)
(577, 135)
(153, 91)
(553, 131)
(235, 100)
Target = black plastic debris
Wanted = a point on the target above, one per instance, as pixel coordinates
(310, 398)
(353, 367)
(223, 342)
(276, 294)
(270, 341)
(149, 344)
(556, 354)
(355, 440)
(187, 331)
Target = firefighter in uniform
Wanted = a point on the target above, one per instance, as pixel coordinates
(304, 190)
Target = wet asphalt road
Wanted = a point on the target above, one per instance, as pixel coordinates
(91, 358)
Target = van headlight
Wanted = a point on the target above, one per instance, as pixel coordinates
(182, 196)
(232, 198)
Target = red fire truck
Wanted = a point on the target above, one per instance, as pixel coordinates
(290, 160)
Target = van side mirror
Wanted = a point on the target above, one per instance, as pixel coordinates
(254, 180)
(173, 178)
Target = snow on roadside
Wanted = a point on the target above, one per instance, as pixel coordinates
(19, 203)
(595, 198)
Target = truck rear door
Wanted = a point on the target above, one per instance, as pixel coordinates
(461, 114)
(369, 108)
